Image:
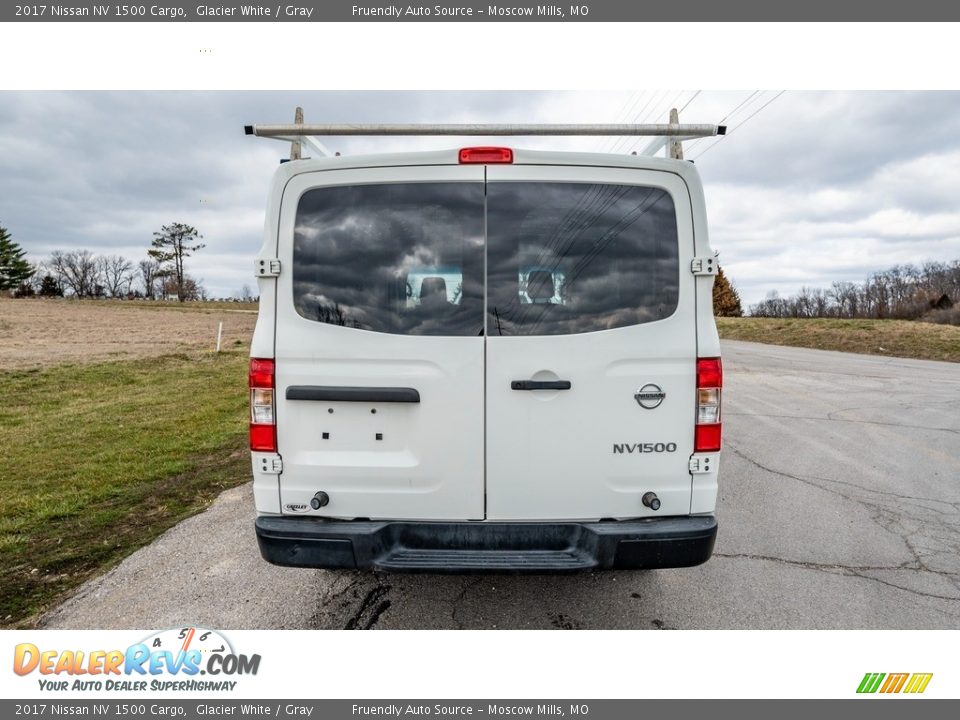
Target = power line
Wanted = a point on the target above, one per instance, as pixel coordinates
(742, 123)
(692, 98)
(730, 114)
(622, 142)
(624, 115)
(624, 111)
(653, 118)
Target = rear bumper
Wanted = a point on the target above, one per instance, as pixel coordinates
(469, 547)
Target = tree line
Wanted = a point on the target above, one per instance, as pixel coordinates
(82, 274)
(927, 292)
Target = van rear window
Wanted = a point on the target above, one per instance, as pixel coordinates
(568, 258)
(402, 258)
(561, 258)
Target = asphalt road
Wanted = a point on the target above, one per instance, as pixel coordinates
(840, 508)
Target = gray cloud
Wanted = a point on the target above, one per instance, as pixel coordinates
(816, 187)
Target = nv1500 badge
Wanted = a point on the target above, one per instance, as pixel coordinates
(639, 448)
(649, 396)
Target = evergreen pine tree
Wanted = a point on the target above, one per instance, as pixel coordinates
(14, 269)
(49, 287)
(726, 300)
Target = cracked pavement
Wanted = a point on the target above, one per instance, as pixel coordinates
(840, 508)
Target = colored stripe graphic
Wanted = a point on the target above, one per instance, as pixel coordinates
(870, 682)
(918, 682)
(894, 683)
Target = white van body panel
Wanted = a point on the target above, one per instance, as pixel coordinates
(473, 449)
(550, 454)
(428, 460)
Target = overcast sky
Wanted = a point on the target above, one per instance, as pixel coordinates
(812, 188)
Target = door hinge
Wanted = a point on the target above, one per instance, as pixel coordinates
(702, 464)
(267, 267)
(271, 464)
(704, 266)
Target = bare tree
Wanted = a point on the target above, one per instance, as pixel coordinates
(905, 292)
(77, 271)
(116, 273)
(803, 303)
(188, 289)
(171, 246)
(149, 275)
(847, 297)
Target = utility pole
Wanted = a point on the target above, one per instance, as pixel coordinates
(676, 146)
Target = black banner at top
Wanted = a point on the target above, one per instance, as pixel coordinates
(473, 11)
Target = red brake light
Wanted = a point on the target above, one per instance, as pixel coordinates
(707, 438)
(263, 426)
(708, 428)
(263, 438)
(486, 155)
(709, 373)
(261, 373)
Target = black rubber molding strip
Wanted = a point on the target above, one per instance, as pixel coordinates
(352, 394)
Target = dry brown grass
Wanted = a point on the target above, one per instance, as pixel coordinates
(43, 332)
(894, 338)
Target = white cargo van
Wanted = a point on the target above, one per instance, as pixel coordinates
(485, 359)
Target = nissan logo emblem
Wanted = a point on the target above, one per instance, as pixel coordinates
(649, 396)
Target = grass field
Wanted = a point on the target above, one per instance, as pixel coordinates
(43, 332)
(100, 458)
(891, 338)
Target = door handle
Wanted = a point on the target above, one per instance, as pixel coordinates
(540, 385)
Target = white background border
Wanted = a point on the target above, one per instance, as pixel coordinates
(624, 56)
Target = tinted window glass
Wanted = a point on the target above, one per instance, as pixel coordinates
(405, 258)
(572, 258)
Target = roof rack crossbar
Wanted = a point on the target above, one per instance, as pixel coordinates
(675, 130)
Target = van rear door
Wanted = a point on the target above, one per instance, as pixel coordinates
(379, 343)
(591, 349)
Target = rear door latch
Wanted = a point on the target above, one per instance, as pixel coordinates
(702, 464)
(270, 464)
(267, 267)
(704, 266)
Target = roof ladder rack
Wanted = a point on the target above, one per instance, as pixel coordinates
(670, 134)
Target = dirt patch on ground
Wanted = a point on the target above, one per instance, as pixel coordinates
(36, 332)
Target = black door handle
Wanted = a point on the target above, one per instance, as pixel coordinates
(540, 385)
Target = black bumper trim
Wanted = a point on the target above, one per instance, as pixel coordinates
(466, 547)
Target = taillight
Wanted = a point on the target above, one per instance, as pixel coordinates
(709, 385)
(263, 421)
(486, 155)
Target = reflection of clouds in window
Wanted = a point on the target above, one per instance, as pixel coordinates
(609, 251)
(405, 258)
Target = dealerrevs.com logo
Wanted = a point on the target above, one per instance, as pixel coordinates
(166, 660)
